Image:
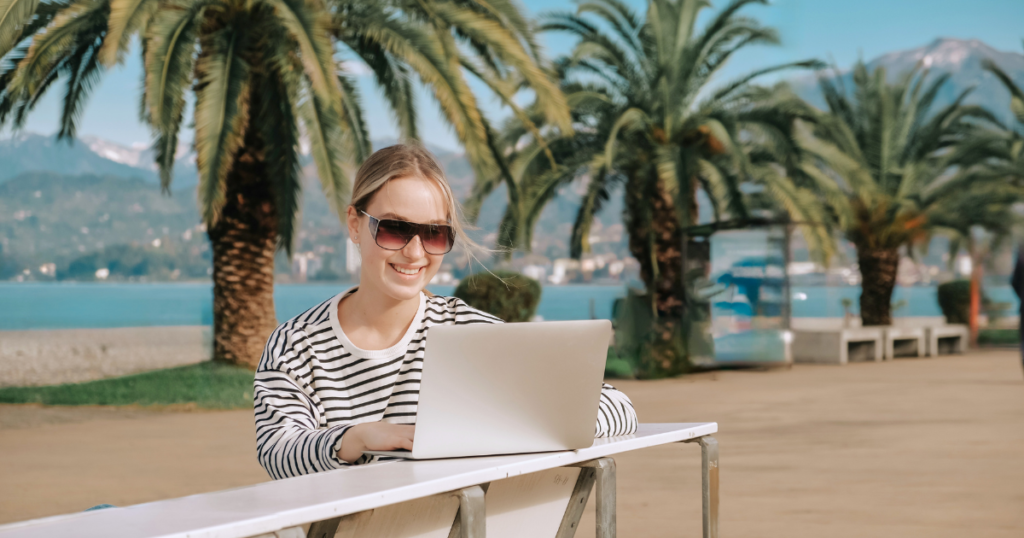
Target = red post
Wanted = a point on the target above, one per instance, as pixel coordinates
(975, 302)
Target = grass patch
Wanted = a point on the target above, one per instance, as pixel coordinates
(999, 337)
(207, 385)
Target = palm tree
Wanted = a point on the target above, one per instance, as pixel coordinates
(265, 74)
(994, 158)
(881, 160)
(988, 207)
(647, 119)
(999, 153)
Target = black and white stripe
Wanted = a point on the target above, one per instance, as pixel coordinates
(312, 384)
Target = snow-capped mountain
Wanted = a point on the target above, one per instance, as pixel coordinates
(29, 152)
(961, 58)
(138, 155)
(132, 156)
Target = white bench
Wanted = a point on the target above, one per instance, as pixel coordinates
(833, 346)
(955, 335)
(904, 334)
(427, 494)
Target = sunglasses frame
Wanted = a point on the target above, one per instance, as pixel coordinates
(375, 226)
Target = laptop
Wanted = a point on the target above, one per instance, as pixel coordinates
(508, 388)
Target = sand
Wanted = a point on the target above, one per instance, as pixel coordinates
(912, 448)
(52, 357)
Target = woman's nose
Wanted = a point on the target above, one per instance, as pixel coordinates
(414, 249)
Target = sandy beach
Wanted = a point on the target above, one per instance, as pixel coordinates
(55, 356)
(911, 448)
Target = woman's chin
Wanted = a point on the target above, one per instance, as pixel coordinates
(405, 288)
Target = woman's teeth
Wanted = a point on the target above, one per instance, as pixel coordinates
(406, 271)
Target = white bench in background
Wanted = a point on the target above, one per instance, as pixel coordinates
(895, 334)
(955, 335)
(463, 497)
(833, 346)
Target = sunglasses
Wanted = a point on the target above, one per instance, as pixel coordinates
(391, 234)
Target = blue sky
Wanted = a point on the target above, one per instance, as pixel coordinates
(832, 30)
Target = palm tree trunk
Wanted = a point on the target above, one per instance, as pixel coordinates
(661, 265)
(244, 242)
(878, 278)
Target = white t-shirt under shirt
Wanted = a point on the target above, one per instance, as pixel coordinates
(312, 384)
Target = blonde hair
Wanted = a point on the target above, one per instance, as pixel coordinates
(408, 160)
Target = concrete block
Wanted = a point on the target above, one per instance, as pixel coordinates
(838, 346)
(900, 338)
(947, 339)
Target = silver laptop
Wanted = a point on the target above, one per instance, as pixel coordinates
(509, 388)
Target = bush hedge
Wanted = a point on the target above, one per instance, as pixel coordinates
(955, 301)
(505, 294)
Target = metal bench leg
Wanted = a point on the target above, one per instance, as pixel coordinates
(472, 512)
(604, 475)
(324, 529)
(605, 497)
(709, 484)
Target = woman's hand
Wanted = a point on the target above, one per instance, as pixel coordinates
(375, 436)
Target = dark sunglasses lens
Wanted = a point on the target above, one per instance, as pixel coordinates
(393, 234)
(436, 239)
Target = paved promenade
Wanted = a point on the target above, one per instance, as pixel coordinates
(912, 448)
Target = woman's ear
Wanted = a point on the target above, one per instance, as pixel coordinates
(352, 220)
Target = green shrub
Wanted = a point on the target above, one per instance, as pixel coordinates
(955, 301)
(999, 337)
(506, 294)
(616, 367)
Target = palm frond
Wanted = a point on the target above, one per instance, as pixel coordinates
(169, 61)
(395, 81)
(353, 124)
(424, 53)
(495, 36)
(325, 137)
(222, 115)
(309, 24)
(83, 71)
(598, 193)
(14, 16)
(126, 18)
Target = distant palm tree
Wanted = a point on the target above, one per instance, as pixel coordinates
(980, 221)
(647, 119)
(266, 74)
(999, 153)
(882, 160)
(993, 158)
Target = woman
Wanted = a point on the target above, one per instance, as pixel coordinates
(344, 376)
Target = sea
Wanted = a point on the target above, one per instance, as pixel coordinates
(25, 305)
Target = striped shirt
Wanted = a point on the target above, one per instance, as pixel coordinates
(313, 384)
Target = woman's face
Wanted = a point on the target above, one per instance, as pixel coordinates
(399, 274)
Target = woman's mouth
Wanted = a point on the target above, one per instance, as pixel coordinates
(405, 271)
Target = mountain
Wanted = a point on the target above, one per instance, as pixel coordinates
(143, 157)
(961, 58)
(90, 155)
(52, 218)
(28, 152)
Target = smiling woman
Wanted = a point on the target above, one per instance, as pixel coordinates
(344, 376)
